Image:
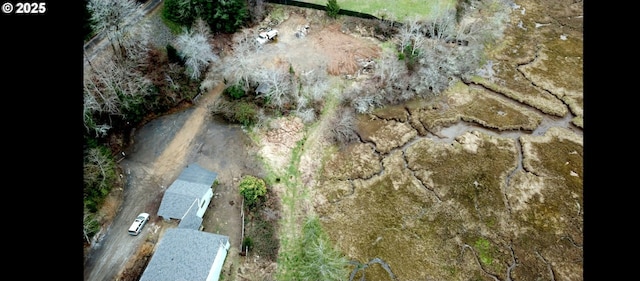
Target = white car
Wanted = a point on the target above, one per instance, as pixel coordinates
(264, 37)
(138, 223)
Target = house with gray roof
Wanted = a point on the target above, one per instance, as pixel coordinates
(187, 254)
(188, 197)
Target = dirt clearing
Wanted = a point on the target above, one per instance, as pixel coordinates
(321, 45)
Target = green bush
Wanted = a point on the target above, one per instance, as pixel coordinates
(333, 8)
(235, 91)
(180, 14)
(252, 189)
(247, 243)
(410, 57)
(245, 113)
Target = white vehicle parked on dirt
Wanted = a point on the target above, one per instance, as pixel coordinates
(265, 36)
(138, 224)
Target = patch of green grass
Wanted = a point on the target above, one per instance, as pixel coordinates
(277, 14)
(483, 248)
(305, 254)
(397, 9)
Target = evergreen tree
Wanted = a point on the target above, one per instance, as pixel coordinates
(333, 8)
(180, 11)
(221, 15)
(228, 15)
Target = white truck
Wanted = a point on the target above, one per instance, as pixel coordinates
(264, 37)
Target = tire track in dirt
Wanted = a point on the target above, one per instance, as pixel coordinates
(175, 154)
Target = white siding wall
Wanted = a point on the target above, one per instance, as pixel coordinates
(206, 199)
(216, 267)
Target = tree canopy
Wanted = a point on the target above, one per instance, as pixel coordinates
(221, 15)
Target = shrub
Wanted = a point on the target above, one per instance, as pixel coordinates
(245, 113)
(333, 8)
(252, 189)
(410, 56)
(239, 112)
(344, 128)
(235, 91)
(247, 243)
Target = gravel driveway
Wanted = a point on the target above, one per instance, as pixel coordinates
(161, 149)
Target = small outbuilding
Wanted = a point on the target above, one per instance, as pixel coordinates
(188, 197)
(187, 254)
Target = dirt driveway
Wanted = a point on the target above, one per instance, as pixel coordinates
(164, 146)
(161, 149)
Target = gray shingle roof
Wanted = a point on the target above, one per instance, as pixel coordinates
(191, 220)
(191, 184)
(183, 254)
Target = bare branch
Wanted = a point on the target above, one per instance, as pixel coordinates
(193, 46)
(113, 17)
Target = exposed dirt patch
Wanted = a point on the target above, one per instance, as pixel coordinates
(324, 46)
(279, 139)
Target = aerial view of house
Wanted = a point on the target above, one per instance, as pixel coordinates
(187, 254)
(188, 196)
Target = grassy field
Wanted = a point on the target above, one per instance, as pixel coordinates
(397, 10)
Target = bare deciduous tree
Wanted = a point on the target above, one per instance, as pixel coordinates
(277, 85)
(442, 23)
(101, 86)
(193, 46)
(88, 224)
(307, 115)
(98, 170)
(344, 126)
(110, 87)
(315, 83)
(114, 18)
(200, 26)
(240, 66)
(389, 71)
(409, 33)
